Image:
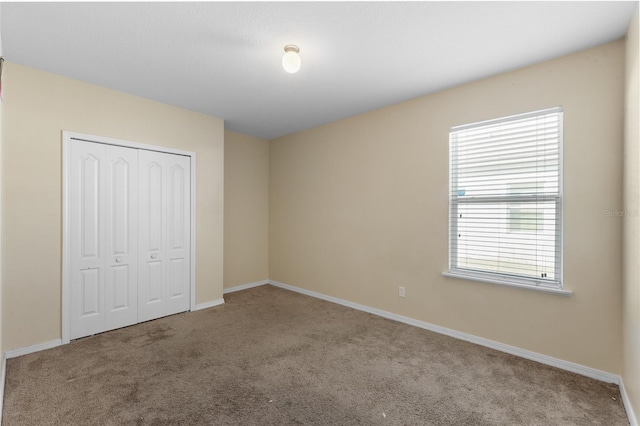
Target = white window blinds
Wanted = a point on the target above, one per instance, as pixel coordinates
(506, 198)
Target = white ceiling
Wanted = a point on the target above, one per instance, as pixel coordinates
(223, 58)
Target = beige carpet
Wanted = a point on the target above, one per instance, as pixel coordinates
(274, 357)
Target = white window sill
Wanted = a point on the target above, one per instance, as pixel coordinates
(508, 283)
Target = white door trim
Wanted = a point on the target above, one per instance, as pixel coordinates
(67, 137)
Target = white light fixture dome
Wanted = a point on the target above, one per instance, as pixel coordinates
(291, 60)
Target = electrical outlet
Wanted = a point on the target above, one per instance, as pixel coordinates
(401, 291)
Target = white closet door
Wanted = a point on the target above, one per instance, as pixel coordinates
(103, 243)
(178, 231)
(87, 235)
(129, 236)
(121, 222)
(164, 234)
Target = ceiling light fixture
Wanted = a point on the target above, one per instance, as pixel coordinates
(291, 60)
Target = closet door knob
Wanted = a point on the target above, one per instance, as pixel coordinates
(153, 256)
(118, 260)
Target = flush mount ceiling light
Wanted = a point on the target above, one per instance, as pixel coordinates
(291, 60)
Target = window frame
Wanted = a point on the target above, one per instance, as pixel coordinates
(555, 285)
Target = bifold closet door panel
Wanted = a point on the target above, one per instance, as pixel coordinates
(103, 237)
(164, 234)
(121, 221)
(86, 238)
(178, 233)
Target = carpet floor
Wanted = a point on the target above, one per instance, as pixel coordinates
(269, 356)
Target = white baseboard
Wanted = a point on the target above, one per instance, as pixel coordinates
(31, 349)
(210, 304)
(633, 421)
(245, 286)
(523, 353)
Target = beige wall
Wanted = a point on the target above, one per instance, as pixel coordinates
(359, 207)
(1, 232)
(38, 107)
(246, 209)
(631, 291)
(1, 208)
(1, 228)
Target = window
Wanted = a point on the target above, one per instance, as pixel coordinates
(506, 200)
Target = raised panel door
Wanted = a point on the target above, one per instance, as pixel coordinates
(121, 221)
(86, 239)
(164, 234)
(178, 231)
